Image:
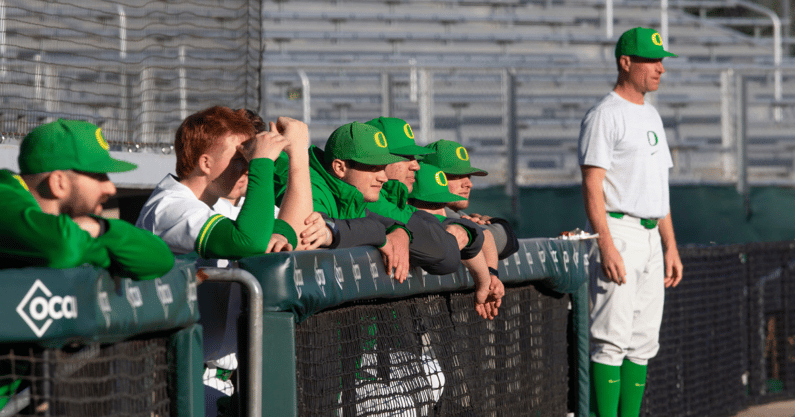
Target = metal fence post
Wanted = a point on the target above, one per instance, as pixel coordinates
(306, 100)
(387, 106)
(426, 107)
(727, 116)
(742, 141)
(512, 152)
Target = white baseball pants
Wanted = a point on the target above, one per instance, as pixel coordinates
(625, 319)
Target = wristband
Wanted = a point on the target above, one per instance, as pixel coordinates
(494, 272)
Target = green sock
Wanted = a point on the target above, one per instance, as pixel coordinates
(633, 382)
(605, 388)
(7, 390)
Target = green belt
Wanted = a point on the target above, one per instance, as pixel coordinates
(647, 223)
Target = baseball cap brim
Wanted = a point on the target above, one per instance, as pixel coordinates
(440, 198)
(111, 165)
(383, 159)
(412, 150)
(657, 55)
(465, 171)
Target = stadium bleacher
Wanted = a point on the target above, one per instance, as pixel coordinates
(361, 60)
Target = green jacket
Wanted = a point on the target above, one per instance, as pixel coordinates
(32, 237)
(340, 203)
(393, 202)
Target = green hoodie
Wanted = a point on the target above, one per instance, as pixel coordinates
(330, 195)
(32, 237)
(340, 203)
(393, 202)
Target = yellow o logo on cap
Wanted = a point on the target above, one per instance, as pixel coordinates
(441, 179)
(101, 140)
(462, 154)
(656, 39)
(380, 139)
(407, 130)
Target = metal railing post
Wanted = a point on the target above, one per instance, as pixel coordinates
(777, 42)
(426, 107)
(742, 141)
(253, 382)
(512, 153)
(664, 22)
(727, 113)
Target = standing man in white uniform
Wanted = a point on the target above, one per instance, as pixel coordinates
(624, 157)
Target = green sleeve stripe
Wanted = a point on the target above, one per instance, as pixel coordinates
(204, 233)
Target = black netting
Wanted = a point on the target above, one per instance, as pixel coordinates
(770, 333)
(727, 338)
(699, 368)
(435, 356)
(123, 379)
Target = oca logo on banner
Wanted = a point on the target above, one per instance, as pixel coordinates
(39, 308)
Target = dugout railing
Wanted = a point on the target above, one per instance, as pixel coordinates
(79, 342)
(341, 337)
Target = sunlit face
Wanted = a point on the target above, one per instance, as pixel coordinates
(88, 192)
(644, 74)
(368, 179)
(404, 171)
(459, 185)
(229, 170)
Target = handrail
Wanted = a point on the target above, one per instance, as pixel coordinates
(255, 332)
(776, 48)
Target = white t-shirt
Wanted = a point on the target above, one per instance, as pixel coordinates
(628, 140)
(175, 214)
(230, 210)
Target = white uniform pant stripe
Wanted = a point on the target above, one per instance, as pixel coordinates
(625, 319)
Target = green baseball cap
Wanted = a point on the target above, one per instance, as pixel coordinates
(431, 186)
(400, 136)
(452, 158)
(361, 143)
(68, 144)
(642, 42)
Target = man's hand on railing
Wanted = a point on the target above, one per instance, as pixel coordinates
(396, 254)
(489, 298)
(278, 243)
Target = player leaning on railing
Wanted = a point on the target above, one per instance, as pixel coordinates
(431, 195)
(52, 207)
(51, 211)
(434, 246)
(345, 175)
(219, 156)
(453, 159)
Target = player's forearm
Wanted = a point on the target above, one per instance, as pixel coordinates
(490, 249)
(594, 198)
(250, 233)
(129, 245)
(297, 202)
(479, 270)
(667, 232)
